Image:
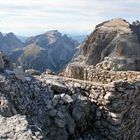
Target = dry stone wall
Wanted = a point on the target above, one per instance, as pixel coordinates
(91, 73)
(110, 76)
(65, 109)
(114, 108)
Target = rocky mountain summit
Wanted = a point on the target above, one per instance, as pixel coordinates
(50, 50)
(9, 42)
(113, 45)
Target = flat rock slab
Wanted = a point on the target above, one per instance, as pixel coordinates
(56, 86)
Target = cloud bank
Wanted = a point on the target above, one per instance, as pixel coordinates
(30, 17)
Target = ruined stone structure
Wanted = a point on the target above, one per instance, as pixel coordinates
(98, 75)
(53, 107)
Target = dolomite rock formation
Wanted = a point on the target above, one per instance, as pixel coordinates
(113, 45)
(1, 61)
(4, 62)
(16, 127)
(115, 39)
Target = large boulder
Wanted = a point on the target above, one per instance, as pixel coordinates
(75, 70)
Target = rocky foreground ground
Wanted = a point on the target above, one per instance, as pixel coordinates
(49, 107)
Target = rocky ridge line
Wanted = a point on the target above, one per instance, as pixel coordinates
(113, 46)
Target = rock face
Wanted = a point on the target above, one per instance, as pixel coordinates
(114, 45)
(50, 50)
(9, 42)
(4, 62)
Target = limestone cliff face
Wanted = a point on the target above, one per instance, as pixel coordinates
(114, 45)
(115, 39)
(4, 62)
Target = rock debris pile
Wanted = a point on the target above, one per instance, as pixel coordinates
(54, 108)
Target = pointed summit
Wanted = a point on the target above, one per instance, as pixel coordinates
(50, 50)
(1, 36)
(11, 35)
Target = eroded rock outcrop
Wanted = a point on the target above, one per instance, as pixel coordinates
(17, 127)
(45, 107)
(4, 62)
(114, 39)
(114, 45)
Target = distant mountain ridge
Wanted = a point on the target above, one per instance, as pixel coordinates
(9, 42)
(79, 38)
(20, 37)
(50, 50)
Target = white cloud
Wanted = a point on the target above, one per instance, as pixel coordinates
(34, 16)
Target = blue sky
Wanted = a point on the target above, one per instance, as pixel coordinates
(30, 17)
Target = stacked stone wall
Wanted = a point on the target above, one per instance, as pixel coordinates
(98, 75)
(65, 109)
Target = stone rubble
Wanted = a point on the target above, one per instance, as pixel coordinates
(65, 108)
(97, 74)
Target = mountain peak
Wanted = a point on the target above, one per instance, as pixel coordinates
(53, 32)
(9, 42)
(119, 24)
(10, 35)
(1, 35)
(115, 39)
(55, 51)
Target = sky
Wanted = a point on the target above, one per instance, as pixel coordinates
(77, 17)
